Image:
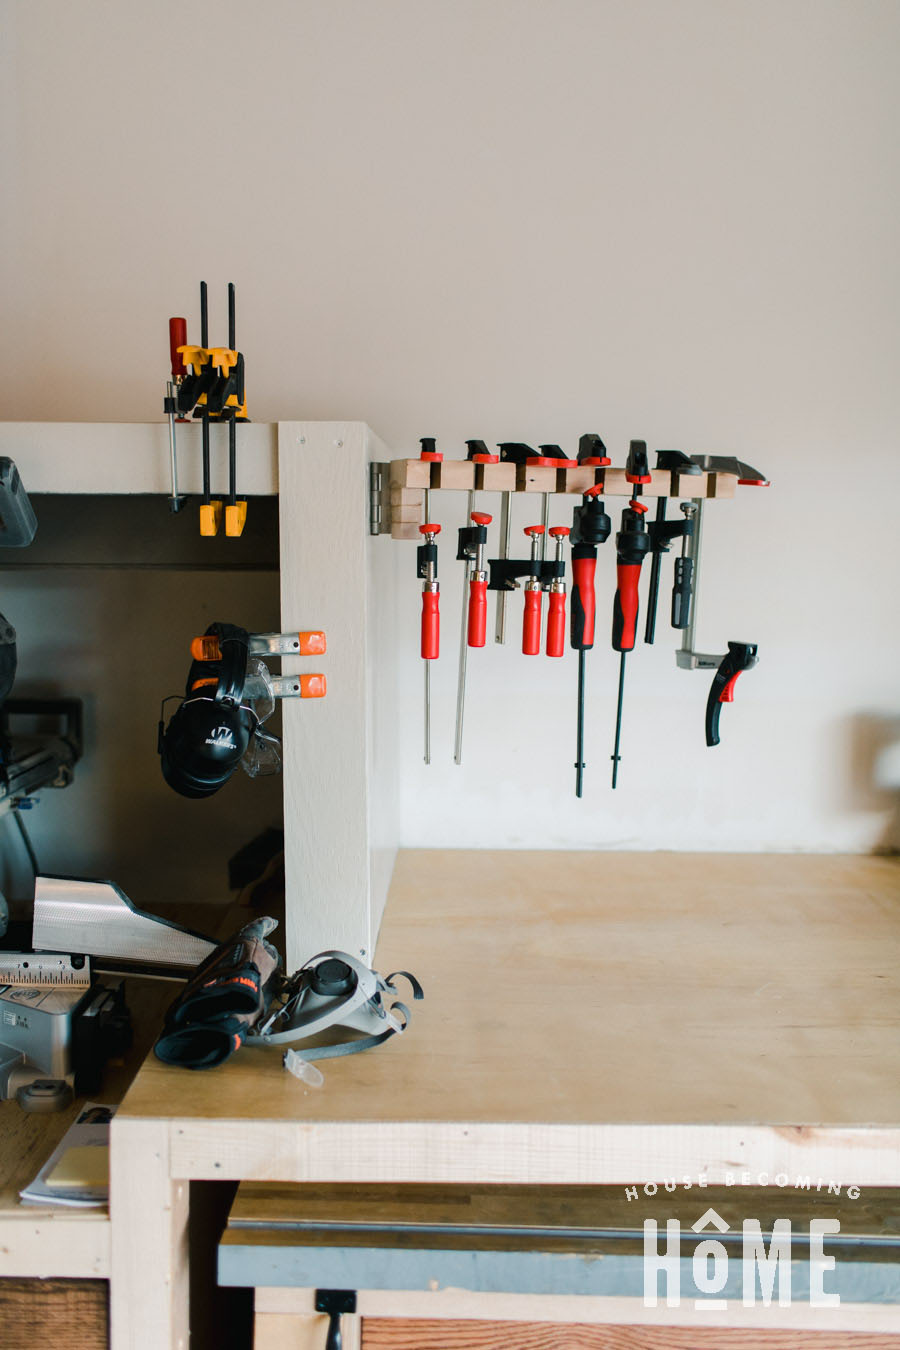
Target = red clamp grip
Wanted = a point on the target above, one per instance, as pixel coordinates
(477, 612)
(625, 606)
(584, 602)
(481, 517)
(531, 624)
(429, 529)
(431, 625)
(727, 694)
(556, 624)
(177, 338)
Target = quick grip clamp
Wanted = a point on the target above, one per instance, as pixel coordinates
(310, 643)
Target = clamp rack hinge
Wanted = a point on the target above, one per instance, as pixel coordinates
(379, 497)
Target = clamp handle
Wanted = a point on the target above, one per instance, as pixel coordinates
(429, 529)
(177, 339)
(556, 623)
(682, 590)
(584, 599)
(431, 625)
(740, 656)
(477, 624)
(531, 622)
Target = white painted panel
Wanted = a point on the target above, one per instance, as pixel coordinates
(339, 789)
(134, 456)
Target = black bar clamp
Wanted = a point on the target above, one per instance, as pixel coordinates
(335, 1302)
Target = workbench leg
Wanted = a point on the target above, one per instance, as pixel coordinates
(302, 1331)
(149, 1241)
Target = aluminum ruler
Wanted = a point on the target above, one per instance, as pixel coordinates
(41, 970)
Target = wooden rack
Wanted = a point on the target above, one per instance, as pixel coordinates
(408, 480)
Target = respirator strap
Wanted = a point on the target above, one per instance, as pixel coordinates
(354, 1047)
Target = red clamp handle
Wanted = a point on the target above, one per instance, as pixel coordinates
(531, 624)
(481, 517)
(625, 606)
(477, 612)
(431, 625)
(177, 338)
(532, 530)
(560, 531)
(584, 602)
(556, 624)
(429, 529)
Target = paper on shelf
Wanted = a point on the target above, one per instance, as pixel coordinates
(77, 1171)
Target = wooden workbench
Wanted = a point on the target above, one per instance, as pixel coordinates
(589, 1018)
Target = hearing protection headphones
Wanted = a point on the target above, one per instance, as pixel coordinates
(210, 731)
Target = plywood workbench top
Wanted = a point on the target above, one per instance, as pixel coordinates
(609, 989)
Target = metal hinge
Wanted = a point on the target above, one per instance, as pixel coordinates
(379, 497)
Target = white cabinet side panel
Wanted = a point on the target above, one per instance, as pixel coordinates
(383, 707)
(324, 556)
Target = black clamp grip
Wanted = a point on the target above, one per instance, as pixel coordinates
(590, 523)
(682, 590)
(739, 657)
(425, 554)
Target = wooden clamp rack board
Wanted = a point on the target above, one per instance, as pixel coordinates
(409, 479)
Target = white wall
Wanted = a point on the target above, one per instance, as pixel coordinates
(520, 220)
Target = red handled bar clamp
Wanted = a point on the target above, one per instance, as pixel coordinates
(531, 618)
(472, 545)
(426, 560)
(556, 605)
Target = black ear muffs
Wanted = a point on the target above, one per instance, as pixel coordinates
(210, 730)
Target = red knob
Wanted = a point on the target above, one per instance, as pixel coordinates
(560, 531)
(596, 491)
(429, 529)
(481, 518)
(556, 624)
(534, 529)
(431, 626)
(531, 624)
(641, 507)
(177, 338)
(477, 612)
